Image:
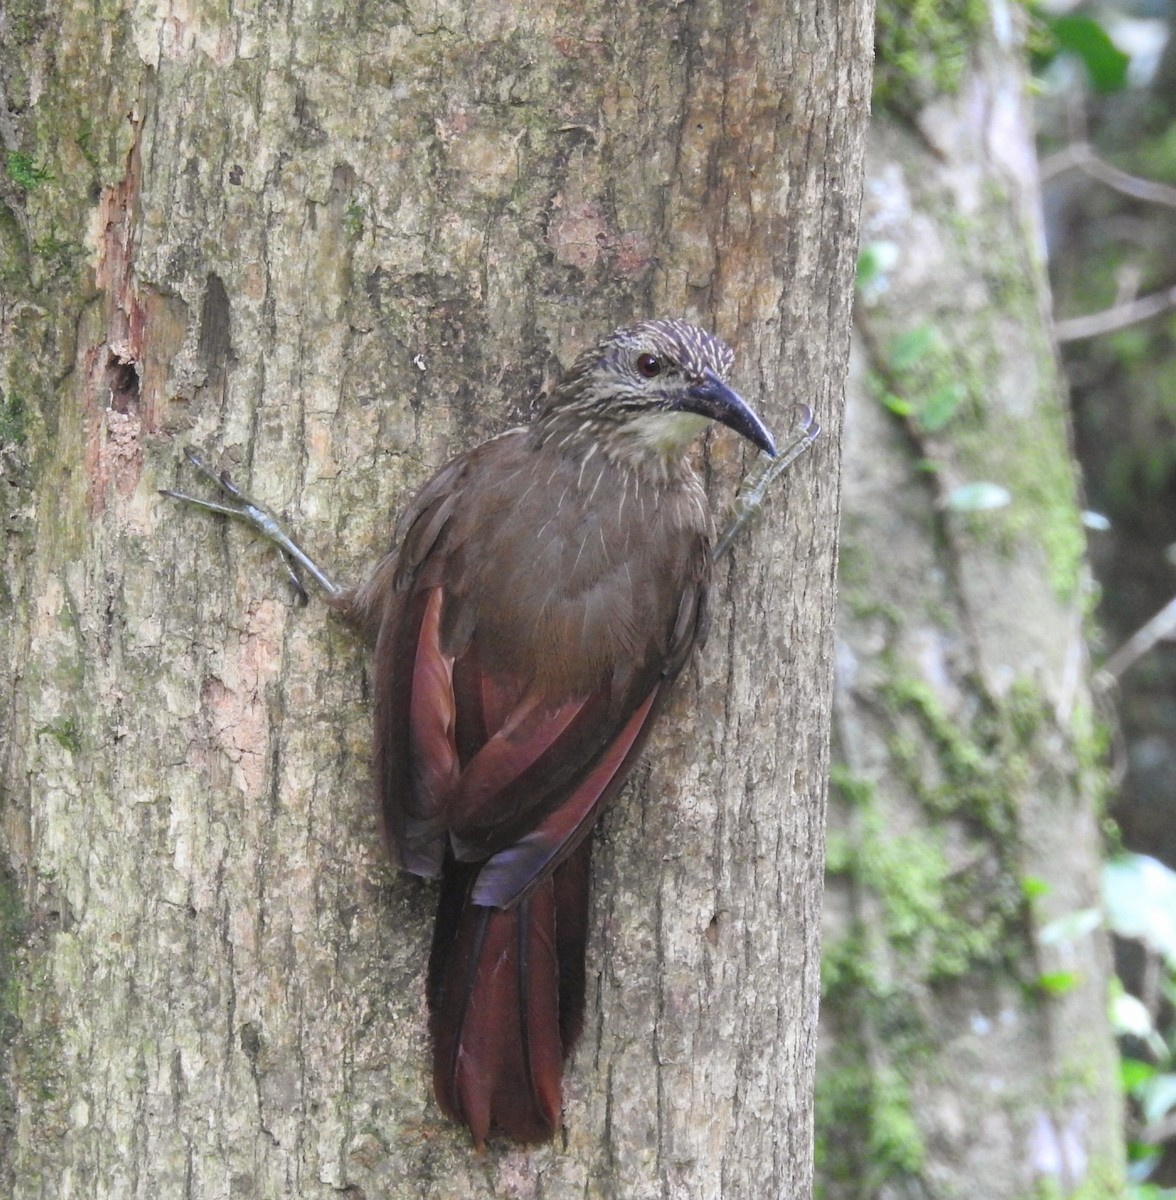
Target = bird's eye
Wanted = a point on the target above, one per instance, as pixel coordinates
(649, 365)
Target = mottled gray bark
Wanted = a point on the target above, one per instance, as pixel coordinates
(966, 1047)
(336, 246)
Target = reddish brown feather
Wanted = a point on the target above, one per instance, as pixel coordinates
(514, 747)
(431, 720)
(507, 876)
(571, 883)
(413, 831)
(495, 1000)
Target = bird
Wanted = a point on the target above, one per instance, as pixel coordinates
(541, 593)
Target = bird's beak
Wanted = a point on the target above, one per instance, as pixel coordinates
(712, 398)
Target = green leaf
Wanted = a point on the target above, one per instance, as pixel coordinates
(868, 266)
(940, 406)
(1158, 1097)
(980, 496)
(1129, 1015)
(897, 405)
(1087, 40)
(839, 854)
(1057, 983)
(1032, 888)
(1140, 894)
(910, 348)
(874, 260)
(1067, 929)
(1134, 1074)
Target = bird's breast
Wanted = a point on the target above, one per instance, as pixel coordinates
(576, 566)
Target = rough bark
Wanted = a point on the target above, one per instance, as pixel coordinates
(966, 1046)
(335, 246)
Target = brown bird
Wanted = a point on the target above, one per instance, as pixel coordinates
(544, 590)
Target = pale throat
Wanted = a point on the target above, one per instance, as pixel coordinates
(660, 435)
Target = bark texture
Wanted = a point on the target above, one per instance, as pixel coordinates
(336, 245)
(966, 1045)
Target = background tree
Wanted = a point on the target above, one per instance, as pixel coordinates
(1106, 109)
(336, 245)
(966, 1046)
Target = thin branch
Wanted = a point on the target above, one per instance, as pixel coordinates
(1081, 156)
(1159, 1131)
(1120, 316)
(1161, 627)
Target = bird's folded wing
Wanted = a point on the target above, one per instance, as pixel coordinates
(513, 871)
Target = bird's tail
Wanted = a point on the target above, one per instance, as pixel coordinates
(506, 998)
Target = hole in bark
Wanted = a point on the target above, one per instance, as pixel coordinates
(123, 380)
(250, 1040)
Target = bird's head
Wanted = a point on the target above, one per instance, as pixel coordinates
(651, 387)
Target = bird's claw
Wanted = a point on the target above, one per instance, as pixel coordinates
(754, 487)
(300, 592)
(807, 422)
(260, 517)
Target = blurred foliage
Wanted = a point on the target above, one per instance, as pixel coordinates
(1140, 896)
(1085, 39)
(921, 49)
(1107, 88)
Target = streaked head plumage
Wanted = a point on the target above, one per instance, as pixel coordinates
(650, 388)
(647, 361)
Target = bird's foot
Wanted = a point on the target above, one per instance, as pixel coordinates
(751, 494)
(234, 503)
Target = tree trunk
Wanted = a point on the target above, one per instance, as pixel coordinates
(336, 247)
(965, 1035)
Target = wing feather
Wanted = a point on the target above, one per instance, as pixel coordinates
(512, 872)
(498, 737)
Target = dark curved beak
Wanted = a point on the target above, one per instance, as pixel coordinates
(712, 398)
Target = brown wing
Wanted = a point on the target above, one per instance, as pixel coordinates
(521, 658)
